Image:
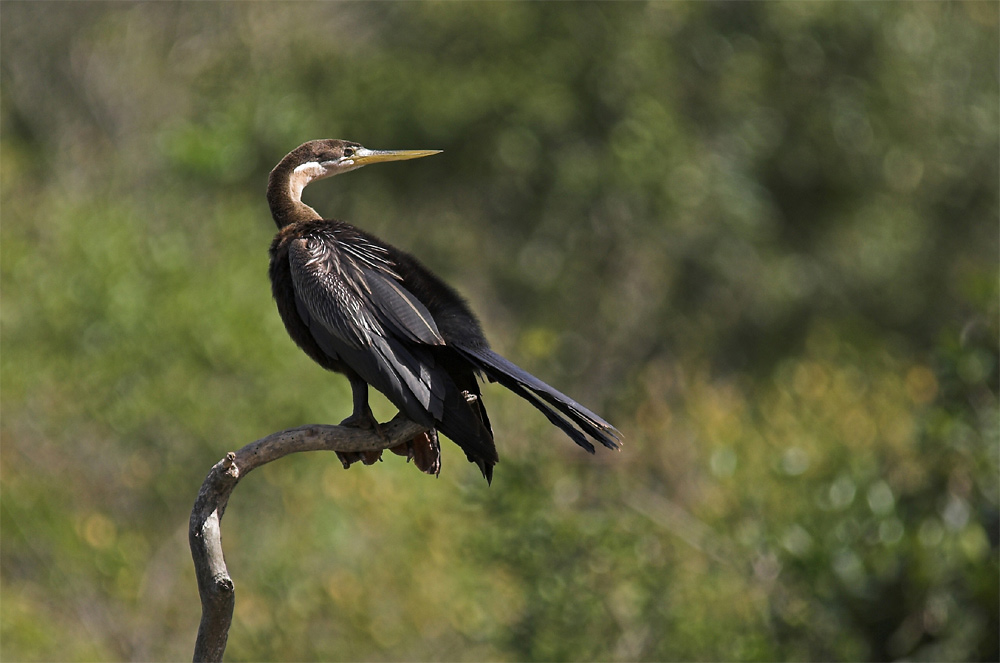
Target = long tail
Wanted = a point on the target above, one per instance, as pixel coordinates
(564, 411)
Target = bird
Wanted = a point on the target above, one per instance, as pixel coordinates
(359, 306)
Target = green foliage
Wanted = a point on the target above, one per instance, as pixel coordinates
(761, 238)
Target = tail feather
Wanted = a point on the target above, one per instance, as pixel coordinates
(533, 390)
(554, 417)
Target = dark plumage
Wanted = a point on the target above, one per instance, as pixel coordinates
(364, 308)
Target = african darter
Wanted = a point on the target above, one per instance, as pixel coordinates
(364, 308)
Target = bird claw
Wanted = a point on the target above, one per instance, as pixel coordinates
(365, 420)
(348, 458)
(424, 450)
(362, 419)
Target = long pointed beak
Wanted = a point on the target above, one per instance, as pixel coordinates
(364, 156)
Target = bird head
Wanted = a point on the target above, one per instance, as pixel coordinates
(325, 158)
(316, 160)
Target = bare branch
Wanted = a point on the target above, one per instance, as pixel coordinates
(205, 533)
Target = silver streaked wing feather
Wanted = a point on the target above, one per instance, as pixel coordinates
(358, 312)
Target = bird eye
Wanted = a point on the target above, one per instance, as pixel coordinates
(348, 152)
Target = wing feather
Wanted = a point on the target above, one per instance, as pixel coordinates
(359, 313)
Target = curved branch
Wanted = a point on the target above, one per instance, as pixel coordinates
(204, 530)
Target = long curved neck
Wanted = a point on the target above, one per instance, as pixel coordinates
(284, 194)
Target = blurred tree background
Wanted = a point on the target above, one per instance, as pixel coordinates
(761, 238)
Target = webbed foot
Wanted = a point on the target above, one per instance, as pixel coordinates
(424, 450)
(363, 419)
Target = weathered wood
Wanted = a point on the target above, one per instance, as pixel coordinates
(205, 528)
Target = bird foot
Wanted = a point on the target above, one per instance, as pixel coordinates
(348, 458)
(363, 420)
(424, 450)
